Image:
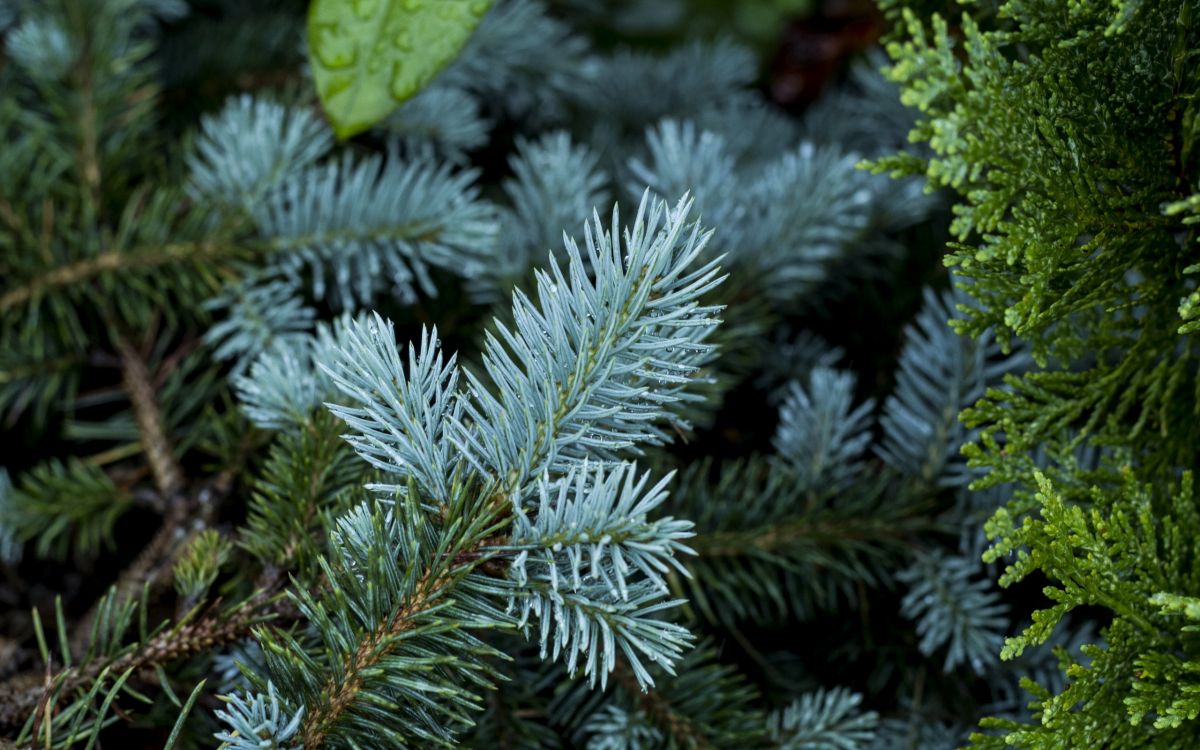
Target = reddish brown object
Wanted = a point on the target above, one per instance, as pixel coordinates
(812, 50)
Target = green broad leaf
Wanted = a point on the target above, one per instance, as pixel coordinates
(369, 56)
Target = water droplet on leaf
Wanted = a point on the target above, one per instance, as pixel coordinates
(365, 9)
(334, 48)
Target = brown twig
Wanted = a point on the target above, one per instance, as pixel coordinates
(185, 518)
(185, 515)
(339, 694)
(160, 454)
(89, 137)
(25, 693)
(155, 559)
(112, 260)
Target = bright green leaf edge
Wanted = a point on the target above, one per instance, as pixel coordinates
(369, 56)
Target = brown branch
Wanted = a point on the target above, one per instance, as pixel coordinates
(157, 557)
(184, 520)
(160, 454)
(35, 368)
(113, 260)
(151, 567)
(88, 156)
(44, 702)
(339, 695)
(29, 692)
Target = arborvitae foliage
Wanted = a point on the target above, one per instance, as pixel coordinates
(1070, 135)
(588, 400)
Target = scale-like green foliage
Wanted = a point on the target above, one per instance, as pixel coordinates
(1128, 554)
(1066, 231)
(1069, 134)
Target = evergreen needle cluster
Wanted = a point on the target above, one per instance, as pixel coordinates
(590, 400)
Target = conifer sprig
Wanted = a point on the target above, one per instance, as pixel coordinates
(356, 541)
(408, 582)
(591, 367)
